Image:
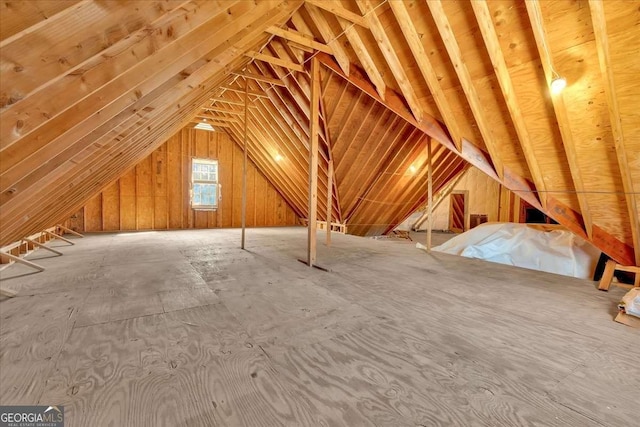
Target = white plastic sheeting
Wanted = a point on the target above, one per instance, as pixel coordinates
(631, 302)
(538, 247)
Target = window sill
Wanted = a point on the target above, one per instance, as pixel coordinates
(204, 209)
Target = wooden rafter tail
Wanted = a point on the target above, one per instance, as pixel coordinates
(40, 245)
(21, 260)
(70, 231)
(539, 33)
(602, 44)
(57, 236)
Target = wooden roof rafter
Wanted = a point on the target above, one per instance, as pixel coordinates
(455, 54)
(537, 25)
(394, 63)
(488, 30)
(426, 68)
(604, 57)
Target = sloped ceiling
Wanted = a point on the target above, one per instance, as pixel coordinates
(88, 88)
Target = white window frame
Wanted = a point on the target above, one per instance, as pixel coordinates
(193, 181)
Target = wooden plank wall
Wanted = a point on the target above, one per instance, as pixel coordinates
(154, 195)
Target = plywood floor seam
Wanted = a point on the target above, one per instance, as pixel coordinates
(184, 329)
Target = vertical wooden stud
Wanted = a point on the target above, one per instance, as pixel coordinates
(329, 200)
(244, 164)
(429, 193)
(313, 162)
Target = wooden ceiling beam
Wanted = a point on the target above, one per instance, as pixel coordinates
(228, 101)
(602, 44)
(389, 53)
(365, 58)
(299, 38)
(337, 10)
(16, 18)
(542, 42)
(275, 61)
(339, 52)
(50, 136)
(490, 37)
(219, 118)
(264, 79)
(426, 68)
(110, 156)
(191, 84)
(44, 54)
(251, 92)
(110, 76)
(222, 110)
(214, 124)
(449, 40)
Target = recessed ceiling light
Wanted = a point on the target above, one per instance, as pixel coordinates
(278, 157)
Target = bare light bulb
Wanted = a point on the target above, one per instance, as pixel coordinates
(558, 84)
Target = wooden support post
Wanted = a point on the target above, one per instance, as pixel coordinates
(313, 162)
(54, 235)
(70, 231)
(22, 261)
(244, 163)
(329, 200)
(40, 245)
(429, 193)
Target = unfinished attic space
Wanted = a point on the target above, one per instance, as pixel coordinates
(320, 212)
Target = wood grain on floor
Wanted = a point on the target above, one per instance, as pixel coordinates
(185, 329)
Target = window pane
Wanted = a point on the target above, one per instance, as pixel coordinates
(204, 175)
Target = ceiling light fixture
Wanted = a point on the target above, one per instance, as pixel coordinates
(278, 157)
(413, 169)
(557, 83)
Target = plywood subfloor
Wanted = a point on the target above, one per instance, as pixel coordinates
(185, 329)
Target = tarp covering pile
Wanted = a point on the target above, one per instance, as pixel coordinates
(539, 247)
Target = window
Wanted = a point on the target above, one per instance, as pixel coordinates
(204, 184)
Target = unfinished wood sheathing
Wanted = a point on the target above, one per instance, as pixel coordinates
(153, 192)
(588, 113)
(176, 99)
(93, 107)
(17, 16)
